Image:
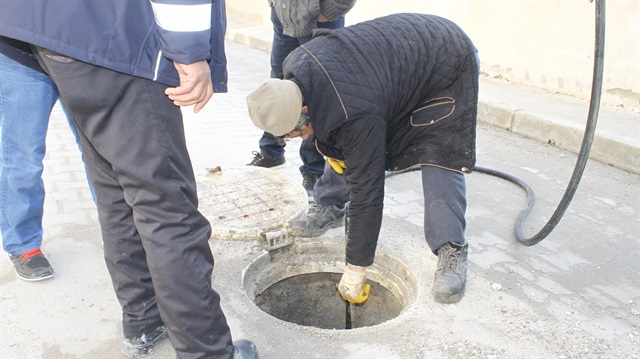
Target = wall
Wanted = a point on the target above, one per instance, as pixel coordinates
(548, 44)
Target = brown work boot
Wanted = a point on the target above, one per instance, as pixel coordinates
(451, 276)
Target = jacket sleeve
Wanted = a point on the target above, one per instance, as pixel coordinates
(333, 9)
(184, 29)
(362, 142)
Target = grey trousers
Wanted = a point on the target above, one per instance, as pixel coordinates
(155, 239)
(445, 202)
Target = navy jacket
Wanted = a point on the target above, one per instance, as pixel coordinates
(137, 37)
(388, 94)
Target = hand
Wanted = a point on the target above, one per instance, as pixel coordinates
(337, 165)
(353, 286)
(195, 85)
(321, 18)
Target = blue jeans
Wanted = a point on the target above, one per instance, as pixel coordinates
(312, 161)
(26, 99)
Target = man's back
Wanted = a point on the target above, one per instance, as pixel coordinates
(383, 66)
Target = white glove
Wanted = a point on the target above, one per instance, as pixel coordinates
(353, 286)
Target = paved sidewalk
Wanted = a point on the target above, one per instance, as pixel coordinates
(574, 295)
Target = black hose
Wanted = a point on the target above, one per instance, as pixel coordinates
(587, 141)
(583, 156)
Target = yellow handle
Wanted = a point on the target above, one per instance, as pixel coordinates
(337, 165)
(362, 297)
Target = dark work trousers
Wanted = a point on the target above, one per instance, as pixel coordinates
(445, 204)
(331, 189)
(155, 239)
(270, 147)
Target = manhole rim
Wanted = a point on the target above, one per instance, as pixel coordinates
(269, 268)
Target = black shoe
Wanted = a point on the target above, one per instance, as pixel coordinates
(260, 161)
(31, 265)
(244, 349)
(137, 347)
(318, 220)
(308, 182)
(451, 276)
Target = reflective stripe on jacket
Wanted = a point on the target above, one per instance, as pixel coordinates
(136, 37)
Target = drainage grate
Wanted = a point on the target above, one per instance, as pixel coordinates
(250, 203)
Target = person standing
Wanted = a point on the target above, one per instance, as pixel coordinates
(123, 69)
(377, 104)
(293, 24)
(27, 96)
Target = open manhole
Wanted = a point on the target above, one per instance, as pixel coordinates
(251, 203)
(297, 284)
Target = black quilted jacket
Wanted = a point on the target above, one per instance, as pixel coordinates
(388, 94)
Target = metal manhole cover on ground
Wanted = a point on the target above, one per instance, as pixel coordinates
(250, 203)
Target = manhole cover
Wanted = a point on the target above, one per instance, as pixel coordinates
(251, 203)
(297, 284)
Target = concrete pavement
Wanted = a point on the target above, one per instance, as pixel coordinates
(574, 295)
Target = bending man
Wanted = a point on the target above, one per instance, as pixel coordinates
(376, 103)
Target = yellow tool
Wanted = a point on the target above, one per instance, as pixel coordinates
(337, 165)
(362, 297)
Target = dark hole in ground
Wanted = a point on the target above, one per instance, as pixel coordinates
(313, 300)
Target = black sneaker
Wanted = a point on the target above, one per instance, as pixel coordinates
(451, 276)
(260, 161)
(318, 220)
(244, 349)
(31, 266)
(308, 182)
(140, 346)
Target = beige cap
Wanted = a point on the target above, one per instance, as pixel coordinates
(275, 106)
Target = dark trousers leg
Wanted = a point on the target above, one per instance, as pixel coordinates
(312, 160)
(331, 189)
(156, 241)
(270, 147)
(445, 204)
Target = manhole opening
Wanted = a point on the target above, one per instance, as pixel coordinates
(313, 300)
(297, 284)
